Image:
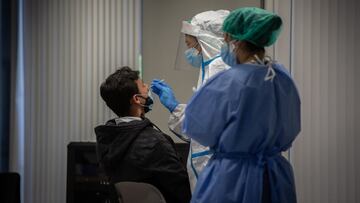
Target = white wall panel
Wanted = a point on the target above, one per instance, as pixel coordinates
(70, 47)
(324, 62)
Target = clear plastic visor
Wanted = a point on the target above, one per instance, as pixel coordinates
(181, 63)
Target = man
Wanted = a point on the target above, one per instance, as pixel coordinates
(130, 148)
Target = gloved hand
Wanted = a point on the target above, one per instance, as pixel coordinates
(165, 93)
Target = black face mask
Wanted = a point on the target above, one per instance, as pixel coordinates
(148, 102)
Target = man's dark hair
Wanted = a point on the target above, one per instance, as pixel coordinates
(118, 89)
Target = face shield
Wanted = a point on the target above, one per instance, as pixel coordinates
(206, 28)
(189, 54)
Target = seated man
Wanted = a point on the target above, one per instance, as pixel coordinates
(129, 148)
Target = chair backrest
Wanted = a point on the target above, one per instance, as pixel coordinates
(135, 192)
(10, 187)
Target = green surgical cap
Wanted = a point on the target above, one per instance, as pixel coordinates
(254, 25)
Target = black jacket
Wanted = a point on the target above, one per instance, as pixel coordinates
(136, 151)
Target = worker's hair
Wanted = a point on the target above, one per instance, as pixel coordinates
(252, 49)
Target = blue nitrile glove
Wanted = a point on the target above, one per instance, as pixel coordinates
(165, 93)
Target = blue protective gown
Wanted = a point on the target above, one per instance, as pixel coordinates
(247, 122)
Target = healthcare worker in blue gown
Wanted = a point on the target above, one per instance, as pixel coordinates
(247, 115)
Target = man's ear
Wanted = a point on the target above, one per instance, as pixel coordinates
(135, 100)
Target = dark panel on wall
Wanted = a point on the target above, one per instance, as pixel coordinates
(5, 40)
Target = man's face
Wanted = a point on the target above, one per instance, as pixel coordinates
(143, 87)
(140, 98)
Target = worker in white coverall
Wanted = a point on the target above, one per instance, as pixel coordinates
(203, 40)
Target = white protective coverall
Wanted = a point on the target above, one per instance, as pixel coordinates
(206, 27)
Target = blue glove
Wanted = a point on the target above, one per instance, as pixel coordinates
(165, 93)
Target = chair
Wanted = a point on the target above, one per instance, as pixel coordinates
(10, 188)
(135, 192)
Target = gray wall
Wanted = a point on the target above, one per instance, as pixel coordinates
(161, 33)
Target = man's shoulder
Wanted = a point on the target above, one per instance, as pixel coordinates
(152, 136)
(149, 145)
